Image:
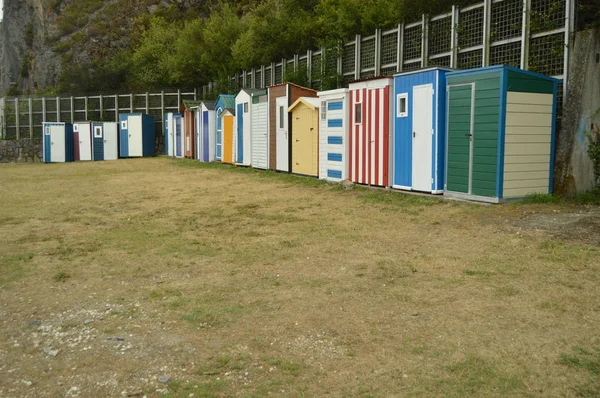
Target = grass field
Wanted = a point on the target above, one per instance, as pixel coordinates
(236, 282)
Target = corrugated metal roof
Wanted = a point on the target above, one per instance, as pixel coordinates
(210, 105)
(190, 105)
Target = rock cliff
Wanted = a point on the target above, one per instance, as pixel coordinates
(39, 38)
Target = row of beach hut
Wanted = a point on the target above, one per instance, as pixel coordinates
(133, 136)
(482, 134)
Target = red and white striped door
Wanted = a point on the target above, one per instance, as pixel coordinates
(369, 136)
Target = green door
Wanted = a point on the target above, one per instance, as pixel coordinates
(460, 138)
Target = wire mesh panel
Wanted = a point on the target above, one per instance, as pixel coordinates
(248, 80)
(413, 42)
(440, 61)
(367, 54)
(125, 103)
(507, 20)
(139, 103)
(367, 74)
(38, 119)
(440, 34)
(506, 54)
(51, 109)
(348, 59)
(389, 48)
(170, 102)
(278, 74)
(547, 15)
(93, 109)
(411, 66)
(267, 76)
(289, 66)
(470, 59)
(470, 28)
(78, 109)
(546, 55)
(303, 63)
(388, 71)
(258, 79)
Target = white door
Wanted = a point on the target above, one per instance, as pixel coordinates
(260, 135)
(281, 136)
(85, 141)
(422, 144)
(57, 140)
(135, 136)
(111, 149)
(170, 134)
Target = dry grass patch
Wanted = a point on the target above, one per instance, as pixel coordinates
(238, 282)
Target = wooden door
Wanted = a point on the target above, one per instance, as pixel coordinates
(260, 134)
(304, 141)
(228, 139)
(459, 161)
(422, 141)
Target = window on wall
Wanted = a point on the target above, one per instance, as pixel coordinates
(98, 132)
(323, 110)
(245, 107)
(281, 117)
(358, 113)
(123, 124)
(402, 105)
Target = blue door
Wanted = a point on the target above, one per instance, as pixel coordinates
(124, 136)
(219, 138)
(205, 140)
(240, 133)
(98, 142)
(47, 145)
(178, 136)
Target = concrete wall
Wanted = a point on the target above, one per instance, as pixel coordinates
(574, 172)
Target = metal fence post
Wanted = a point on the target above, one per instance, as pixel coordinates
(525, 35)
(400, 54)
(72, 110)
(43, 109)
(178, 99)
(58, 109)
(2, 119)
(101, 109)
(147, 103)
(85, 101)
(454, 38)
(162, 108)
(357, 66)
(30, 103)
(309, 67)
(424, 41)
(18, 124)
(131, 107)
(487, 18)
(569, 28)
(117, 108)
(377, 52)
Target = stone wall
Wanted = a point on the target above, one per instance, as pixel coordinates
(30, 150)
(24, 150)
(574, 171)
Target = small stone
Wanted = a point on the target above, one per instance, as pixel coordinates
(28, 383)
(50, 352)
(164, 379)
(119, 338)
(88, 321)
(35, 323)
(347, 184)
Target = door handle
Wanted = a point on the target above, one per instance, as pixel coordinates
(468, 135)
(414, 134)
(297, 140)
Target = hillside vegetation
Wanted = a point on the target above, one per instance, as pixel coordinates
(135, 45)
(123, 45)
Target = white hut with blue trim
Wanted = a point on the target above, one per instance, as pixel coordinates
(333, 135)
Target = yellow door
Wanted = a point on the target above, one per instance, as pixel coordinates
(228, 139)
(305, 141)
